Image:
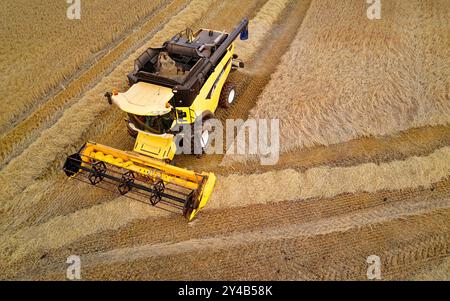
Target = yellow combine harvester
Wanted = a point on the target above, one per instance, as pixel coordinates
(178, 85)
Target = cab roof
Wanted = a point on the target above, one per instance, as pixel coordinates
(144, 99)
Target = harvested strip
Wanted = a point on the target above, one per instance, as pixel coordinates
(245, 219)
(320, 227)
(401, 242)
(337, 255)
(40, 202)
(269, 187)
(413, 142)
(327, 181)
(72, 227)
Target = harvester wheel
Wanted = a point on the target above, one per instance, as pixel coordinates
(131, 132)
(201, 137)
(228, 95)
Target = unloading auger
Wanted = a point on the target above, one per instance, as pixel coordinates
(177, 85)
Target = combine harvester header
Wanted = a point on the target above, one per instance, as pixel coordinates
(145, 174)
(142, 178)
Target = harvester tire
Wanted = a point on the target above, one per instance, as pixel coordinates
(201, 137)
(228, 95)
(131, 132)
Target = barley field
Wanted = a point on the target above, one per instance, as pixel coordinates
(364, 166)
(41, 47)
(344, 77)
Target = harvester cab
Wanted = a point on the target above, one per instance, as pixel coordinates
(178, 85)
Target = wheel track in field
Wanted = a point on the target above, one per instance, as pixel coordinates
(265, 260)
(440, 272)
(336, 255)
(21, 134)
(313, 224)
(267, 215)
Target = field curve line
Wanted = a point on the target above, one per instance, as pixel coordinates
(289, 184)
(321, 227)
(61, 230)
(236, 191)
